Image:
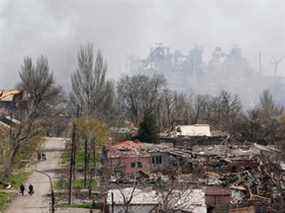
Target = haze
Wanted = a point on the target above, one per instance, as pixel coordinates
(121, 28)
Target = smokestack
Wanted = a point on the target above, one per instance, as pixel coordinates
(259, 63)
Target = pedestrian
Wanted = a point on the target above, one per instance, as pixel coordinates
(22, 189)
(31, 189)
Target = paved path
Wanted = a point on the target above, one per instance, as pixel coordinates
(39, 202)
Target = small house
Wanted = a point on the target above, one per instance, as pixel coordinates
(129, 158)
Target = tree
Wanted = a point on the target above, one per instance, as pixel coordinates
(39, 106)
(149, 130)
(267, 105)
(91, 91)
(94, 135)
(139, 93)
(224, 110)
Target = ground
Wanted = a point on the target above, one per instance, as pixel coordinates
(39, 202)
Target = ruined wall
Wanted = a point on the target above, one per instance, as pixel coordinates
(188, 142)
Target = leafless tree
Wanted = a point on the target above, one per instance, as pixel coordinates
(127, 197)
(91, 91)
(173, 195)
(138, 94)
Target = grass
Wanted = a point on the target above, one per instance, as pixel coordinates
(81, 206)
(15, 180)
(77, 184)
(80, 159)
(5, 199)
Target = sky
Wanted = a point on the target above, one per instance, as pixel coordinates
(121, 28)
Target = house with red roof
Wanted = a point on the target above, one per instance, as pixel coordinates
(129, 158)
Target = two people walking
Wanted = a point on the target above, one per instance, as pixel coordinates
(30, 188)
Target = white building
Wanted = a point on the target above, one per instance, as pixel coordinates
(193, 130)
(146, 201)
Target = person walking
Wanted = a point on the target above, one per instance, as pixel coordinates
(22, 189)
(31, 189)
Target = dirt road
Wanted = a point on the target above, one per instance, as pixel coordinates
(39, 202)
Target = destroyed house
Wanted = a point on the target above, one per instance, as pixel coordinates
(193, 130)
(129, 158)
(218, 198)
(186, 136)
(9, 100)
(160, 156)
(189, 142)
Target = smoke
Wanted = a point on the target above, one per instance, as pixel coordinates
(121, 28)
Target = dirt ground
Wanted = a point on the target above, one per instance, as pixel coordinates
(39, 202)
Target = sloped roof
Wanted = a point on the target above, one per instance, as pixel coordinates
(127, 149)
(191, 200)
(139, 196)
(9, 95)
(128, 145)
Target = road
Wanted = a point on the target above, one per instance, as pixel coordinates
(39, 202)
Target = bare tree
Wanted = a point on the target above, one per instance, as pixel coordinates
(90, 89)
(139, 93)
(128, 196)
(36, 110)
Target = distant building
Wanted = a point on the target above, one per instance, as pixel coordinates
(193, 130)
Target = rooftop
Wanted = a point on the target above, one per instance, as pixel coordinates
(193, 130)
(9, 95)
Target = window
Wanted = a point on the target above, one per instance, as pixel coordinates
(139, 165)
(136, 165)
(157, 159)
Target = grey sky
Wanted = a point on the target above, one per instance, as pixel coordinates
(56, 29)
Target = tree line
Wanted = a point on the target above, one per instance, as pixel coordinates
(144, 100)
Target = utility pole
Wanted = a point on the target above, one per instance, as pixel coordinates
(259, 63)
(72, 157)
(85, 161)
(112, 198)
(72, 162)
(276, 63)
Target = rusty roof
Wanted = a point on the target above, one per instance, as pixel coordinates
(128, 145)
